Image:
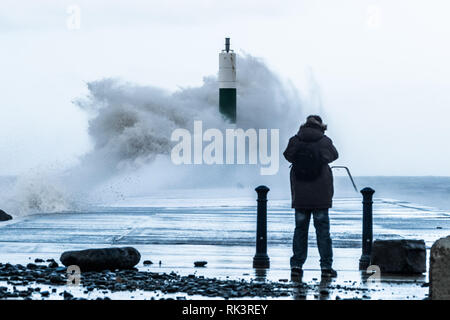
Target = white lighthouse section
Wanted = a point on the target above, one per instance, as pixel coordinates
(227, 70)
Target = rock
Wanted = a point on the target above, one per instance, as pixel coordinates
(37, 260)
(102, 259)
(147, 262)
(4, 216)
(53, 264)
(440, 270)
(200, 263)
(399, 256)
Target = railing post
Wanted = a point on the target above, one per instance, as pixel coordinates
(261, 259)
(367, 229)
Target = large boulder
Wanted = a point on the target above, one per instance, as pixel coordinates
(440, 270)
(4, 216)
(102, 259)
(399, 256)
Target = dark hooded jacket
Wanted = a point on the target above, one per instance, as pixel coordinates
(316, 194)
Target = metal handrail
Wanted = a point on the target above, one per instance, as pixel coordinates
(349, 175)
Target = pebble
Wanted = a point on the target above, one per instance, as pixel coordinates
(200, 263)
(57, 279)
(324, 292)
(126, 280)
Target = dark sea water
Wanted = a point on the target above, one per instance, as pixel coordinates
(428, 191)
(424, 191)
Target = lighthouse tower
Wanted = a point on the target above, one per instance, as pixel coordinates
(227, 82)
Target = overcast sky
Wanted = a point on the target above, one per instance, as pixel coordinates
(382, 67)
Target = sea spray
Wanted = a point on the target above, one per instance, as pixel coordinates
(39, 191)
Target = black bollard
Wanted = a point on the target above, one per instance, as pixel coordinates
(367, 230)
(261, 259)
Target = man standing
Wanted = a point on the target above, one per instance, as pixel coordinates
(310, 151)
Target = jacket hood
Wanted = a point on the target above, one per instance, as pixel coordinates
(309, 133)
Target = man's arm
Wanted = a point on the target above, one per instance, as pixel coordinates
(328, 151)
(291, 149)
